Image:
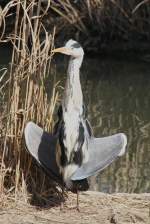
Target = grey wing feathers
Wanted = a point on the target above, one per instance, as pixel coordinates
(102, 152)
(42, 146)
(33, 136)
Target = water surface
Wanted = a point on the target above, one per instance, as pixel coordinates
(117, 95)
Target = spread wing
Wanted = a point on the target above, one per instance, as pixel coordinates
(42, 146)
(102, 152)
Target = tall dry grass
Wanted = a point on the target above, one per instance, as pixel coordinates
(27, 98)
(98, 23)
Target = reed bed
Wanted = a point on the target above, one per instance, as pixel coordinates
(98, 23)
(27, 99)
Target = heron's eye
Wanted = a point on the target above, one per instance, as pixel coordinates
(76, 45)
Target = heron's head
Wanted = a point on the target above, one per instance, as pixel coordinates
(71, 48)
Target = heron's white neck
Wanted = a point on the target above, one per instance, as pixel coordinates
(73, 94)
(74, 68)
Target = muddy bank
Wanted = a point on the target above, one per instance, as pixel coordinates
(95, 207)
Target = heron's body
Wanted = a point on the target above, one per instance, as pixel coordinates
(73, 137)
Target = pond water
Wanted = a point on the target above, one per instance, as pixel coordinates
(117, 95)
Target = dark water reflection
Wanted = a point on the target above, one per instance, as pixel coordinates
(117, 94)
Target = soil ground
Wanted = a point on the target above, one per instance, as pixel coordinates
(95, 207)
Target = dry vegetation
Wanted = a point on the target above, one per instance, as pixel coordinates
(97, 24)
(24, 90)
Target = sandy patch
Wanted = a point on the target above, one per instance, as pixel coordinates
(94, 208)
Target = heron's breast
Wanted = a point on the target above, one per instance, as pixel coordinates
(75, 141)
(71, 129)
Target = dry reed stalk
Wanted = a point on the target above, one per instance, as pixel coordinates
(97, 22)
(28, 99)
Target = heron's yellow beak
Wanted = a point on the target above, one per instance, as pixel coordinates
(63, 50)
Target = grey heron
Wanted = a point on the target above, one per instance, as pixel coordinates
(74, 133)
(80, 154)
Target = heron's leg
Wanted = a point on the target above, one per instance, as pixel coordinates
(78, 200)
(62, 197)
